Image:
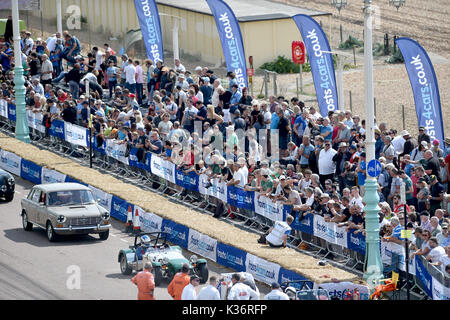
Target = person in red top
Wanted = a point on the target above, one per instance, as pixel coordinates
(179, 281)
(145, 283)
(398, 205)
(62, 96)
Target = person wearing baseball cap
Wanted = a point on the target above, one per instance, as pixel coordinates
(437, 151)
(423, 136)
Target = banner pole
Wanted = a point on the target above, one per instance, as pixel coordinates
(406, 254)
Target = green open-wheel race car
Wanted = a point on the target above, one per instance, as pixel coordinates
(166, 260)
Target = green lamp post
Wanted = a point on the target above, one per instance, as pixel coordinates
(373, 267)
(22, 131)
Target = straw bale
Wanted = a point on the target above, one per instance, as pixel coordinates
(151, 202)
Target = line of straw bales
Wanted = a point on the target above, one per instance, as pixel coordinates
(151, 202)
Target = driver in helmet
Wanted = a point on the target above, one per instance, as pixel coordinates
(142, 249)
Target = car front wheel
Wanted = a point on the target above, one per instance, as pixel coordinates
(158, 276)
(203, 273)
(104, 235)
(9, 197)
(124, 267)
(27, 226)
(51, 235)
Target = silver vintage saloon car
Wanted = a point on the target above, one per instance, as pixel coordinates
(64, 208)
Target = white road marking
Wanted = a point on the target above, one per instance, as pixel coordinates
(124, 240)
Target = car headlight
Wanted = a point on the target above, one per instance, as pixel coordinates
(4, 188)
(105, 215)
(11, 181)
(61, 219)
(165, 260)
(193, 258)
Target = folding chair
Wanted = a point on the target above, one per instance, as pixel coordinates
(390, 285)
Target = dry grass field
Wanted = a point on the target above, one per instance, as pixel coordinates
(424, 21)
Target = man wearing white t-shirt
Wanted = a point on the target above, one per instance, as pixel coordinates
(327, 167)
(356, 198)
(28, 43)
(276, 293)
(130, 76)
(51, 41)
(436, 251)
(444, 261)
(99, 58)
(189, 292)
(209, 292)
(238, 179)
(278, 234)
(241, 291)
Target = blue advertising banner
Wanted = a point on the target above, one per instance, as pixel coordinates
(11, 112)
(119, 209)
(231, 257)
(356, 241)
(286, 275)
(189, 181)
(177, 233)
(231, 38)
(148, 162)
(240, 198)
(322, 67)
(30, 171)
(57, 129)
(424, 277)
(305, 224)
(148, 17)
(424, 86)
(132, 158)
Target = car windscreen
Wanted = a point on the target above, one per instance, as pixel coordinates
(71, 197)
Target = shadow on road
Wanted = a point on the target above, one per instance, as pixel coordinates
(38, 238)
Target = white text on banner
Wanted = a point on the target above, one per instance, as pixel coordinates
(202, 245)
(10, 162)
(330, 232)
(163, 168)
(261, 269)
(216, 189)
(75, 134)
(104, 199)
(266, 207)
(52, 176)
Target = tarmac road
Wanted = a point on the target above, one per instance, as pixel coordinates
(73, 268)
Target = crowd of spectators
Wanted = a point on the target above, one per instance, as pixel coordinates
(283, 149)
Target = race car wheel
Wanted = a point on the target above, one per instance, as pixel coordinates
(51, 235)
(9, 197)
(158, 276)
(27, 226)
(203, 273)
(124, 267)
(104, 235)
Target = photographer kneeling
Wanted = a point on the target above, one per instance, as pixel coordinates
(278, 234)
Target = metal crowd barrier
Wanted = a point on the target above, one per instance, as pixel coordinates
(248, 220)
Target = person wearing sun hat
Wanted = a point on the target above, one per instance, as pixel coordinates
(409, 144)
